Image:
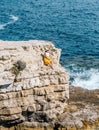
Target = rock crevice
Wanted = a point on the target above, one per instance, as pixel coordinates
(39, 93)
(34, 96)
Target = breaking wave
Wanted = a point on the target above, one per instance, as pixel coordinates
(13, 20)
(88, 79)
(83, 71)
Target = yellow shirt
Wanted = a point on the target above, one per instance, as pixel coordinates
(47, 60)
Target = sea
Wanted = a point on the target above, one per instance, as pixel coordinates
(72, 25)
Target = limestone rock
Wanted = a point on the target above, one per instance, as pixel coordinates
(36, 92)
(37, 97)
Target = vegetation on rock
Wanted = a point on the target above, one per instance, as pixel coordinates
(17, 67)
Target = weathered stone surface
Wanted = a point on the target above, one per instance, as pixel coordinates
(10, 111)
(4, 55)
(31, 108)
(36, 91)
(36, 97)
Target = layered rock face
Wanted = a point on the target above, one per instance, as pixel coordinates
(34, 96)
(38, 93)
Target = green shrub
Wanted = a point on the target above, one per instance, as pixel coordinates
(17, 67)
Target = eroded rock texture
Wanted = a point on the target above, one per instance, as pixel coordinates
(34, 96)
(38, 93)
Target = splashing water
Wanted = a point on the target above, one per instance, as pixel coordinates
(83, 71)
(88, 79)
(73, 25)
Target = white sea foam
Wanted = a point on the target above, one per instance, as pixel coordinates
(13, 19)
(87, 78)
(2, 26)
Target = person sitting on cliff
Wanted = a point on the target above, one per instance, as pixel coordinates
(47, 59)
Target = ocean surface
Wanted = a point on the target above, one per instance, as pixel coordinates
(73, 26)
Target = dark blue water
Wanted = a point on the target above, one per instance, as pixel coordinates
(73, 26)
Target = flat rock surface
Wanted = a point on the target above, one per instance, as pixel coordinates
(83, 97)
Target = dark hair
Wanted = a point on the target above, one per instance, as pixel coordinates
(46, 50)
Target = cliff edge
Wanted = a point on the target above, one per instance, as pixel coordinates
(34, 96)
(30, 91)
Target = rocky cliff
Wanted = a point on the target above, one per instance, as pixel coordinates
(34, 96)
(37, 93)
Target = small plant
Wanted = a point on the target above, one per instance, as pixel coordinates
(17, 67)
